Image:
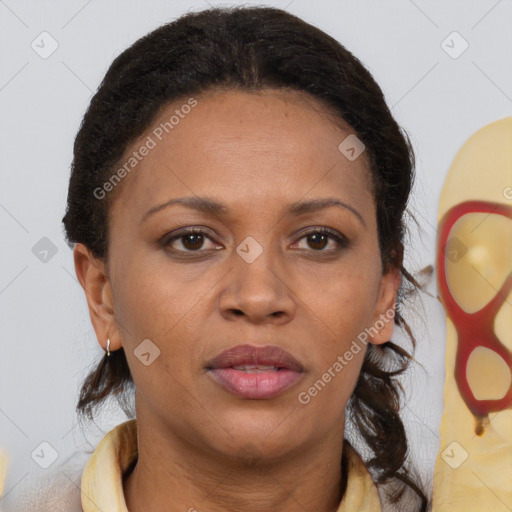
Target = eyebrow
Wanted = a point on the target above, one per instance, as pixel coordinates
(213, 207)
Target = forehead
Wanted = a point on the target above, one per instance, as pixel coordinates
(244, 147)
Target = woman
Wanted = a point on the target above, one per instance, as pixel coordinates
(236, 210)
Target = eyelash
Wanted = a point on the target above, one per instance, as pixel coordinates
(341, 240)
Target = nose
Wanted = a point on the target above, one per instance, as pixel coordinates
(257, 291)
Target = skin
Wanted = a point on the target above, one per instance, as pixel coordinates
(255, 152)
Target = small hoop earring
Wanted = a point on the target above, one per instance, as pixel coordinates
(108, 347)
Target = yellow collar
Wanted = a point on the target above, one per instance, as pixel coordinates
(102, 478)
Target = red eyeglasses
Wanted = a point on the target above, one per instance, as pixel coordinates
(473, 329)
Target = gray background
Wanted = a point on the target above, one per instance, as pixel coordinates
(47, 342)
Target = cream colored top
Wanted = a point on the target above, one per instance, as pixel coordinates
(102, 478)
(4, 463)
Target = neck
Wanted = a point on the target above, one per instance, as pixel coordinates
(194, 481)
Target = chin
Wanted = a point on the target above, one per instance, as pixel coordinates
(274, 433)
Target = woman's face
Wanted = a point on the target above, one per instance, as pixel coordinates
(258, 277)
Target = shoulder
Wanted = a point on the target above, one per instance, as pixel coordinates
(361, 493)
(89, 474)
(51, 490)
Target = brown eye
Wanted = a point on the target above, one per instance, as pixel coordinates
(192, 240)
(319, 239)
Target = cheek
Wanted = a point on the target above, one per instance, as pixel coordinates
(151, 307)
(341, 305)
(158, 302)
(343, 300)
(328, 391)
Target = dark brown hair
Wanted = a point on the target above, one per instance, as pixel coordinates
(251, 49)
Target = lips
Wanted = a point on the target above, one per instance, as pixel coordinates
(250, 355)
(254, 372)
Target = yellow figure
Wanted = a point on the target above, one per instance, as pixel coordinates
(474, 274)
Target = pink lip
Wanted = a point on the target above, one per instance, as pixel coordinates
(256, 386)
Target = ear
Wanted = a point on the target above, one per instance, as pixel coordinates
(384, 315)
(93, 277)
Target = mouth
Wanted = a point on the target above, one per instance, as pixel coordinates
(254, 368)
(256, 373)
